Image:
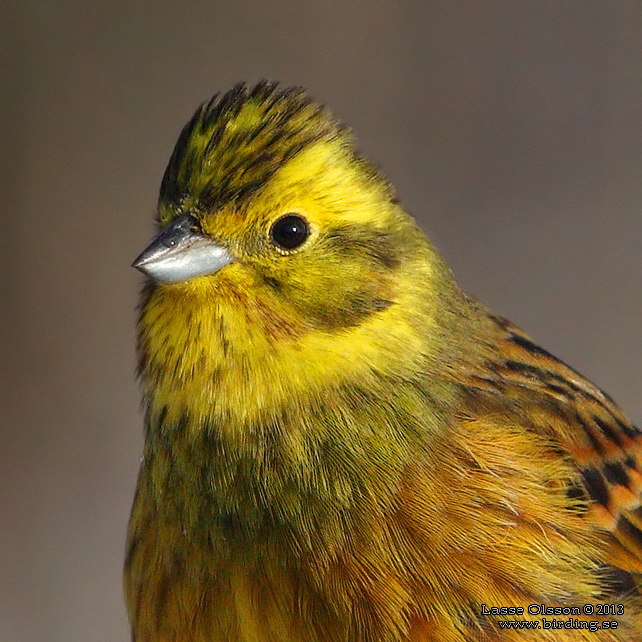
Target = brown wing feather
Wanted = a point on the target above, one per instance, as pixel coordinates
(599, 438)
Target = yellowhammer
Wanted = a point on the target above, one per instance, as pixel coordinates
(341, 444)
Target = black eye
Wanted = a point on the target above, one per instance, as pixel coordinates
(290, 231)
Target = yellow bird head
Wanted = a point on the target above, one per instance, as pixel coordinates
(284, 261)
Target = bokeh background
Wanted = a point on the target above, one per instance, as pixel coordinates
(513, 131)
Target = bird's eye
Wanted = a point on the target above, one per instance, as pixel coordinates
(289, 231)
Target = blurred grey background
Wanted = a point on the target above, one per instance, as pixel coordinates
(513, 131)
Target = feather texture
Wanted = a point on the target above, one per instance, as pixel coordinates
(341, 445)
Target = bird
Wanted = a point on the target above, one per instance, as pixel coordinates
(341, 444)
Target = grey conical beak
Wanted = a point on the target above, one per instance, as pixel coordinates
(181, 252)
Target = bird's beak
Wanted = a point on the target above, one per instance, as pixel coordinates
(181, 252)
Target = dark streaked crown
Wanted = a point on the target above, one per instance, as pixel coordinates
(234, 143)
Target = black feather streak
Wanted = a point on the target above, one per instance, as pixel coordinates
(616, 474)
(596, 486)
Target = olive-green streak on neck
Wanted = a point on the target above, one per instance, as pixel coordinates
(307, 480)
